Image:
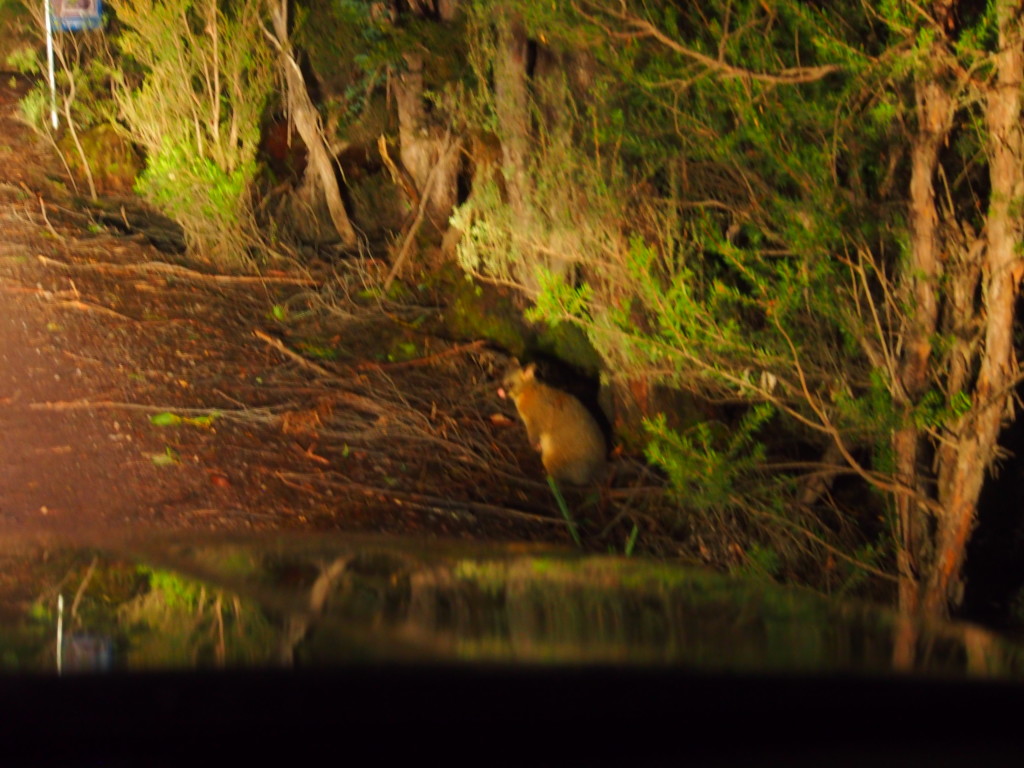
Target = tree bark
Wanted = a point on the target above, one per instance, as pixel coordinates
(1003, 269)
(307, 122)
(423, 145)
(511, 97)
(924, 270)
(412, 120)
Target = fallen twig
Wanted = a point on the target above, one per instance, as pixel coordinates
(284, 350)
(309, 454)
(89, 307)
(46, 220)
(174, 270)
(399, 176)
(21, 288)
(410, 236)
(264, 415)
(424, 500)
(81, 588)
(371, 366)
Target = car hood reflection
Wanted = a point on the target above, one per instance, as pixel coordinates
(332, 600)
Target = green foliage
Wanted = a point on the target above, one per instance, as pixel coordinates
(170, 419)
(191, 188)
(354, 45)
(175, 593)
(854, 573)
(709, 465)
(344, 42)
(19, 29)
(82, 74)
(934, 412)
(177, 622)
(169, 458)
(762, 562)
(631, 541)
(564, 509)
(35, 108)
(195, 78)
(712, 226)
(165, 419)
(320, 351)
(25, 61)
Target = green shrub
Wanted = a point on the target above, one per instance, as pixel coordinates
(195, 77)
(696, 227)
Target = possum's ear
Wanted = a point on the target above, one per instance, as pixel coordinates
(529, 371)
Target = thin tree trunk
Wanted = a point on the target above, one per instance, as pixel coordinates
(998, 370)
(304, 115)
(412, 149)
(934, 113)
(512, 105)
(423, 147)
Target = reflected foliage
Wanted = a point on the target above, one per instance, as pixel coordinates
(342, 601)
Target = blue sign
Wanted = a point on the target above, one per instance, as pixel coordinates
(73, 15)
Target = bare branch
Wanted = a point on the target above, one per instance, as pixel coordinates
(641, 28)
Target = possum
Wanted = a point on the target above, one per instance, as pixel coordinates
(571, 444)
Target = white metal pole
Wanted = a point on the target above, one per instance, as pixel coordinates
(60, 633)
(49, 63)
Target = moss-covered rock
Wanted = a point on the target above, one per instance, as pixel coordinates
(479, 310)
(476, 310)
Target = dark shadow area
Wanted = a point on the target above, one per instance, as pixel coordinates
(500, 716)
(994, 572)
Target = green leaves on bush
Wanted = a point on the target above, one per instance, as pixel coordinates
(195, 78)
(709, 465)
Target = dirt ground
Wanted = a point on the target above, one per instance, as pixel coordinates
(141, 392)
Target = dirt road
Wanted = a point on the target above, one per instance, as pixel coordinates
(101, 333)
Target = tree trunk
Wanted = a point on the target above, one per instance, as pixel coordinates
(307, 122)
(423, 148)
(511, 97)
(413, 148)
(993, 390)
(934, 114)
(515, 107)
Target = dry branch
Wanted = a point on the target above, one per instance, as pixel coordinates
(403, 252)
(306, 118)
(284, 350)
(90, 307)
(82, 587)
(174, 270)
(457, 349)
(261, 415)
(399, 175)
(424, 500)
(641, 28)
